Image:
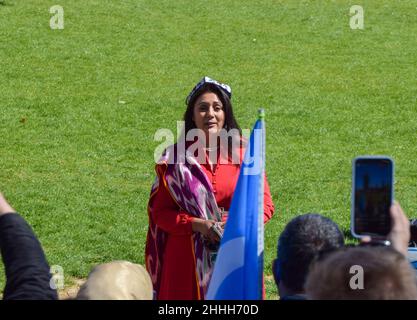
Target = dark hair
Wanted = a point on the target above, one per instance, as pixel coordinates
(229, 121)
(386, 275)
(302, 240)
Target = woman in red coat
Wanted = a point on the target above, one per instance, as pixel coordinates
(192, 195)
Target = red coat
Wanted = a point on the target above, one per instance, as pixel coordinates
(178, 276)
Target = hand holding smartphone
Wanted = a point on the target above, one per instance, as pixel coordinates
(372, 196)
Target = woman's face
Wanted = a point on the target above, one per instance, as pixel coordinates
(208, 113)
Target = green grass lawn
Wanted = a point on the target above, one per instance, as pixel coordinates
(79, 108)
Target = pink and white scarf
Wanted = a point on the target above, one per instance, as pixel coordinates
(193, 192)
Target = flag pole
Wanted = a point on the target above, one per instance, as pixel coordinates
(261, 117)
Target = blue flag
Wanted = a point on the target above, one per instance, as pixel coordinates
(238, 269)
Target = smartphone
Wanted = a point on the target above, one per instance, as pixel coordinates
(372, 196)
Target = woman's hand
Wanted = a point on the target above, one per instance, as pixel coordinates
(205, 228)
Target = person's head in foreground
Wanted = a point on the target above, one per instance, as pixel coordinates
(362, 273)
(302, 240)
(117, 280)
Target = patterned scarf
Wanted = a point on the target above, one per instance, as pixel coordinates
(190, 188)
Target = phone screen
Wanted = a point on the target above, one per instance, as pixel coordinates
(373, 196)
